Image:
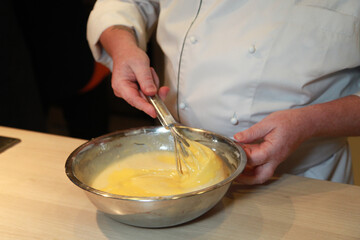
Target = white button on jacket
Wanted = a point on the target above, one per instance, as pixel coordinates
(252, 49)
(182, 105)
(306, 52)
(193, 39)
(234, 121)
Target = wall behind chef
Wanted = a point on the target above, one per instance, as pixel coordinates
(46, 62)
(281, 77)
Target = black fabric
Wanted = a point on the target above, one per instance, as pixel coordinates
(20, 104)
(46, 61)
(55, 33)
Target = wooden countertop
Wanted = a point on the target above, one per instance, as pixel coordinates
(38, 201)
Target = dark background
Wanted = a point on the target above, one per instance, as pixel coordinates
(45, 62)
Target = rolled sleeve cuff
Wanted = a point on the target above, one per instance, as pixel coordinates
(110, 13)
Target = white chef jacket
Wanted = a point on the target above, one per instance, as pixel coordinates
(230, 63)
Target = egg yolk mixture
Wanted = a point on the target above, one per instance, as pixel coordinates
(154, 173)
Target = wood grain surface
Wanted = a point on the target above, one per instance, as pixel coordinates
(38, 201)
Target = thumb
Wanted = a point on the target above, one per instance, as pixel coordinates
(252, 134)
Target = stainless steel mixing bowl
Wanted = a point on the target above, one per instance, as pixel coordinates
(88, 160)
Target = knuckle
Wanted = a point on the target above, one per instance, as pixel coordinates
(257, 159)
(117, 90)
(117, 94)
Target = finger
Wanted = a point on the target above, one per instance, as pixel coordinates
(258, 154)
(260, 175)
(155, 77)
(145, 79)
(126, 86)
(254, 133)
(163, 92)
(132, 95)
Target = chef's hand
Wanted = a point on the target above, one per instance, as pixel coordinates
(272, 140)
(269, 142)
(131, 69)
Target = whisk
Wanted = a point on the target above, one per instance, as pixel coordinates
(182, 151)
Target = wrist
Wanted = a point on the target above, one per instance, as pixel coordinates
(117, 38)
(336, 118)
(305, 123)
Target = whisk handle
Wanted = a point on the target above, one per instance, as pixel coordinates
(163, 114)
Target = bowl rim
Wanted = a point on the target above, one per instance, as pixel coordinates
(71, 158)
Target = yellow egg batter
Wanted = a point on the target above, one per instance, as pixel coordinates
(154, 173)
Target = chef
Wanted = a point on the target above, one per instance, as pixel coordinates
(281, 77)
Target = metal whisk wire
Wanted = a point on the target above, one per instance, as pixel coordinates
(181, 148)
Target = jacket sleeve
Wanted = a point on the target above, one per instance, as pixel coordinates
(140, 15)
